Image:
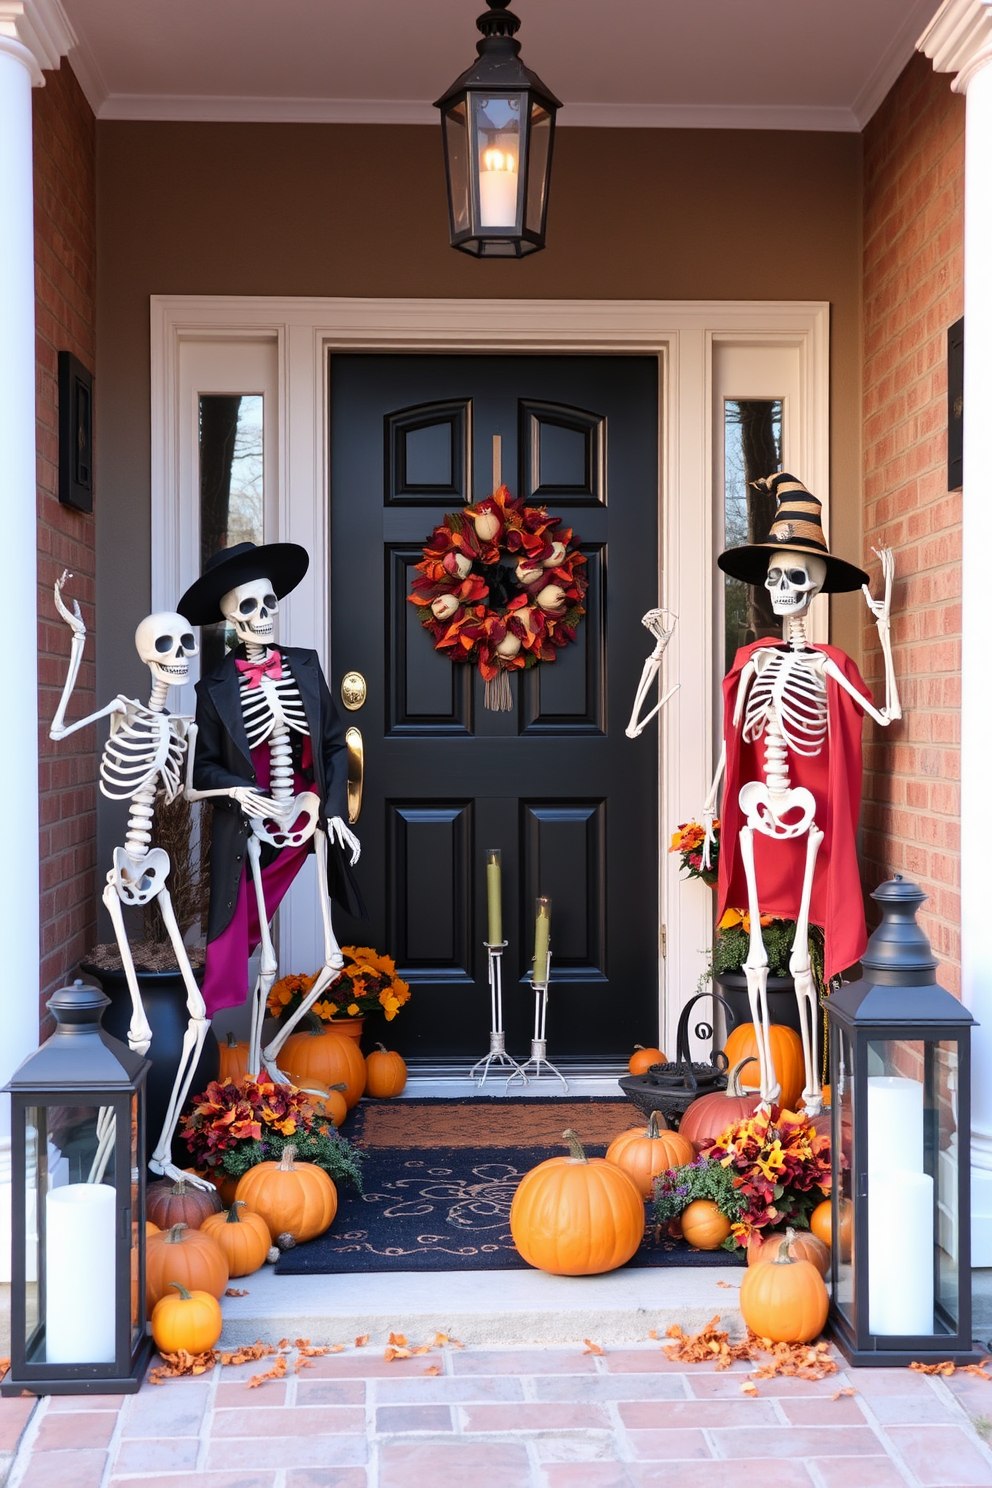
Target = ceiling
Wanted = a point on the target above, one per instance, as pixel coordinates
(767, 64)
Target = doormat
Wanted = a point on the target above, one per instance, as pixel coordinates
(440, 1176)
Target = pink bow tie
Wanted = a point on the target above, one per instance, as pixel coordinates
(256, 670)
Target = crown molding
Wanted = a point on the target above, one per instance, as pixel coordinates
(899, 51)
(959, 39)
(38, 32)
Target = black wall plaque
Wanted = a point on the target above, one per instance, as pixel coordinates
(75, 433)
(955, 405)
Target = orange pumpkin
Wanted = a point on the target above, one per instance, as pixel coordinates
(328, 1101)
(709, 1116)
(703, 1225)
(764, 1245)
(297, 1199)
(784, 1300)
(385, 1073)
(187, 1257)
(186, 1320)
(233, 1060)
(168, 1203)
(821, 1224)
(318, 1056)
(787, 1053)
(643, 1058)
(577, 1216)
(646, 1153)
(151, 1229)
(244, 1238)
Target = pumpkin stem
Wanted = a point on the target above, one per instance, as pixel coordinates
(734, 1083)
(184, 1295)
(657, 1124)
(640, 1046)
(232, 1043)
(382, 1048)
(233, 1217)
(576, 1147)
(286, 1162)
(179, 1187)
(785, 1256)
(340, 1086)
(175, 1233)
(314, 1025)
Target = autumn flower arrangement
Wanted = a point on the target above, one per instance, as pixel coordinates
(235, 1124)
(733, 938)
(367, 984)
(688, 840)
(766, 1172)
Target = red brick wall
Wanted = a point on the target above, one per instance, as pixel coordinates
(913, 287)
(65, 306)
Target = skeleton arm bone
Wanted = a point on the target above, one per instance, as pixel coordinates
(59, 728)
(832, 670)
(251, 800)
(881, 609)
(655, 622)
(709, 805)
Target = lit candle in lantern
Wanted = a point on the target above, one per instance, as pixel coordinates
(494, 891)
(498, 189)
(542, 941)
(80, 1263)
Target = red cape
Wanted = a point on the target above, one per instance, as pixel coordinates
(834, 778)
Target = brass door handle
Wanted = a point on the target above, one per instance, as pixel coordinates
(356, 772)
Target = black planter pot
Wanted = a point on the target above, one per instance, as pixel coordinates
(164, 996)
(782, 1005)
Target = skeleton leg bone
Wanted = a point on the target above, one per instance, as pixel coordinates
(196, 1031)
(139, 1034)
(333, 961)
(268, 965)
(756, 971)
(802, 973)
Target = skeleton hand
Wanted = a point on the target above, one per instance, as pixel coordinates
(253, 803)
(661, 624)
(337, 830)
(709, 840)
(880, 607)
(73, 618)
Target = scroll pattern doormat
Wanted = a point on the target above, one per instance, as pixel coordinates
(440, 1176)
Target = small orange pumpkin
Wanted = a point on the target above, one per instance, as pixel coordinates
(168, 1203)
(318, 1056)
(151, 1229)
(297, 1199)
(233, 1060)
(764, 1245)
(703, 1225)
(244, 1238)
(643, 1058)
(787, 1054)
(385, 1073)
(821, 1224)
(328, 1101)
(577, 1215)
(710, 1115)
(187, 1257)
(184, 1320)
(646, 1153)
(784, 1300)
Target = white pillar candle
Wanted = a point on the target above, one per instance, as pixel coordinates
(80, 1255)
(498, 190)
(900, 1252)
(895, 1123)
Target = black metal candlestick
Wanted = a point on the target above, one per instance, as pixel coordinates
(497, 1037)
(539, 1042)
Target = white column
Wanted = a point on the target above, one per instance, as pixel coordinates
(959, 40)
(30, 37)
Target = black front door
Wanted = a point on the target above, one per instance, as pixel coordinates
(554, 784)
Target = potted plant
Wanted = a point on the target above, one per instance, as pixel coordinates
(730, 951)
(366, 984)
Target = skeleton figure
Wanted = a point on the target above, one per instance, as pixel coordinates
(144, 754)
(277, 727)
(661, 624)
(782, 708)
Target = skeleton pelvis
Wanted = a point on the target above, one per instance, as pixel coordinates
(138, 881)
(295, 828)
(766, 813)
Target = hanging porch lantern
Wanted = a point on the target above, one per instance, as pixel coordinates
(900, 1144)
(499, 122)
(78, 1188)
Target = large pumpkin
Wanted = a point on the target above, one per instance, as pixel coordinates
(186, 1320)
(297, 1199)
(385, 1073)
(577, 1216)
(644, 1153)
(764, 1245)
(704, 1225)
(243, 1237)
(185, 1257)
(642, 1059)
(168, 1203)
(784, 1300)
(787, 1053)
(233, 1060)
(709, 1116)
(325, 1058)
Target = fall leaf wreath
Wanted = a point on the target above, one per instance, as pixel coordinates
(501, 616)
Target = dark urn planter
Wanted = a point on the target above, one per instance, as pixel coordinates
(164, 996)
(782, 1005)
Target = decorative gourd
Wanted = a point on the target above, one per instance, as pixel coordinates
(243, 1237)
(644, 1153)
(328, 1101)
(703, 1225)
(577, 1216)
(319, 1056)
(168, 1203)
(784, 1300)
(187, 1257)
(643, 1058)
(186, 1320)
(821, 1224)
(787, 1052)
(385, 1073)
(764, 1245)
(298, 1198)
(709, 1116)
(233, 1060)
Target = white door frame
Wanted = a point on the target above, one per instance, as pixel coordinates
(681, 333)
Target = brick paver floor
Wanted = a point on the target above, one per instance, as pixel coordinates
(509, 1418)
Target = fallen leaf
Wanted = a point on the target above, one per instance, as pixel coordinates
(277, 1371)
(590, 1347)
(361, 1340)
(433, 1369)
(397, 1339)
(839, 1394)
(423, 1348)
(235, 1292)
(4, 1366)
(728, 1286)
(440, 1339)
(652, 1332)
(749, 1388)
(392, 1354)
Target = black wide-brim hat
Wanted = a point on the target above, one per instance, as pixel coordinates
(283, 564)
(797, 528)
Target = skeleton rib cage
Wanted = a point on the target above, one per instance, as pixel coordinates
(788, 696)
(143, 744)
(270, 711)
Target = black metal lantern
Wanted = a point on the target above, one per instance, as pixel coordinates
(78, 1192)
(499, 124)
(900, 1203)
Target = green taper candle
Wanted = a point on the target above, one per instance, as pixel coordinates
(494, 890)
(542, 940)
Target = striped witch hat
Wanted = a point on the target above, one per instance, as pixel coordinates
(797, 528)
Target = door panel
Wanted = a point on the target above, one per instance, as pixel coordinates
(554, 783)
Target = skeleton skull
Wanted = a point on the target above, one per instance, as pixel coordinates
(251, 609)
(165, 642)
(794, 580)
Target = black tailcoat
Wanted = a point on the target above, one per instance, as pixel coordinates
(223, 759)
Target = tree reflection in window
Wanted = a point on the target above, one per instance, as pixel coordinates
(752, 449)
(231, 488)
